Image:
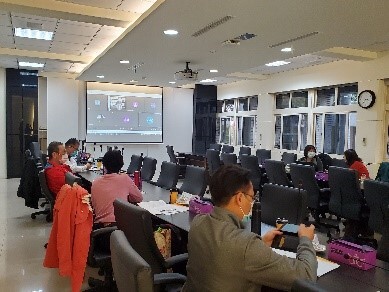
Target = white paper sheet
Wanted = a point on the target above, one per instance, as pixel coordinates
(160, 207)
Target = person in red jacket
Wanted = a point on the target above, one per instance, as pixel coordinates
(354, 162)
(54, 169)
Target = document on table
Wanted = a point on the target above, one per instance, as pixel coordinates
(324, 266)
(160, 207)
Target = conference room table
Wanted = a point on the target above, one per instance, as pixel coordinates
(344, 278)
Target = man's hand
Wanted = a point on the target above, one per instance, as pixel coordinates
(307, 231)
(88, 165)
(269, 236)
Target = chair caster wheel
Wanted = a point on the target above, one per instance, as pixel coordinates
(33, 216)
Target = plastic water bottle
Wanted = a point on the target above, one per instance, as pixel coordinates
(256, 218)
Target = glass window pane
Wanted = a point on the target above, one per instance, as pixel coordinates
(352, 130)
(334, 133)
(217, 134)
(225, 130)
(290, 132)
(243, 104)
(282, 100)
(240, 126)
(348, 95)
(300, 99)
(247, 131)
(254, 103)
(325, 97)
(277, 135)
(303, 131)
(229, 105)
(318, 131)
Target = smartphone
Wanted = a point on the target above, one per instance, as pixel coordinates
(290, 229)
(280, 223)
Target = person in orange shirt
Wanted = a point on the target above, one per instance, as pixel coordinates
(354, 162)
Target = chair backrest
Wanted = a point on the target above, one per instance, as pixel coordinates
(289, 158)
(283, 202)
(303, 285)
(325, 159)
(45, 189)
(263, 154)
(383, 172)
(275, 171)
(213, 160)
(171, 154)
(195, 181)
(168, 177)
(346, 197)
(70, 179)
(148, 168)
(135, 164)
(303, 176)
(338, 163)
(132, 272)
(244, 151)
(377, 197)
(227, 149)
(217, 147)
(36, 150)
(228, 158)
(250, 162)
(137, 226)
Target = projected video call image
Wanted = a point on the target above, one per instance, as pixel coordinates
(124, 116)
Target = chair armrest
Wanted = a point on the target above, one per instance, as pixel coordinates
(170, 262)
(168, 278)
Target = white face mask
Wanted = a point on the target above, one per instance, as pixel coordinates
(311, 154)
(65, 158)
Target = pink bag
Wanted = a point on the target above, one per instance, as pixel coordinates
(198, 206)
(360, 257)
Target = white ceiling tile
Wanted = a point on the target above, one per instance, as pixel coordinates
(32, 48)
(33, 23)
(34, 17)
(32, 42)
(76, 28)
(138, 6)
(76, 68)
(71, 38)
(110, 32)
(100, 42)
(6, 39)
(61, 50)
(70, 46)
(5, 19)
(7, 45)
(5, 30)
(111, 4)
(53, 65)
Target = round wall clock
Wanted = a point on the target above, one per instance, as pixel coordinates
(366, 99)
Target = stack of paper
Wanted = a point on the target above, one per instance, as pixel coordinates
(160, 207)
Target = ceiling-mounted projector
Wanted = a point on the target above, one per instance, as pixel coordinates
(186, 74)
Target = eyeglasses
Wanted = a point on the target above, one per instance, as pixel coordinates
(253, 198)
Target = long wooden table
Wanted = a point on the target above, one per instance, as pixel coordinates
(344, 278)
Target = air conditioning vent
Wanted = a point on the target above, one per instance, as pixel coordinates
(212, 25)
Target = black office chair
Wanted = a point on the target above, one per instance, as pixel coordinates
(228, 158)
(135, 164)
(250, 162)
(276, 174)
(70, 179)
(49, 197)
(136, 224)
(283, 202)
(132, 272)
(263, 155)
(338, 163)
(302, 285)
(168, 177)
(148, 168)
(217, 147)
(227, 149)
(195, 181)
(244, 151)
(325, 159)
(383, 172)
(303, 176)
(179, 160)
(36, 152)
(289, 158)
(377, 197)
(213, 161)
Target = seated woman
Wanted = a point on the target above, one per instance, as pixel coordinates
(111, 186)
(354, 162)
(311, 157)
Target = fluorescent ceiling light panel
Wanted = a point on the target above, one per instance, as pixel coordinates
(170, 32)
(133, 81)
(33, 34)
(100, 76)
(277, 63)
(286, 50)
(172, 82)
(124, 61)
(208, 80)
(33, 65)
(213, 71)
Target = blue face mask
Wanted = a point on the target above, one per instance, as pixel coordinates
(246, 217)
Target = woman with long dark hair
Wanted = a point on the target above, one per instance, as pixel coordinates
(354, 162)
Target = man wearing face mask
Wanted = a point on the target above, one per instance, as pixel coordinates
(223, 256)
(71, 146)
(311, 157)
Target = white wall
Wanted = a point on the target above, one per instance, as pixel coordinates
(3, 148)
(371, 123)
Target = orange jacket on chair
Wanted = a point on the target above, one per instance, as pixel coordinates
(70, 236)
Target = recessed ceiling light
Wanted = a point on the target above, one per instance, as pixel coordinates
(124, 61)
(133, 81)
(286, 50)
(172, 82)
(208, 80)
(100, 76)
(28, 64)
(277, 63)
(33, 34)
(170, 32)
(213, 71)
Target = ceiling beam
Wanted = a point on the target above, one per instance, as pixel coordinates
(45, 55)
(70, 11)
(348, 54)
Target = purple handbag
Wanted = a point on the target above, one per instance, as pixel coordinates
(198, 206)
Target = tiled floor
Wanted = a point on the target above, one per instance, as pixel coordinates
(22, 247)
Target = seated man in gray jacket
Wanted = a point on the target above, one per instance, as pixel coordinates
(225, 257)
